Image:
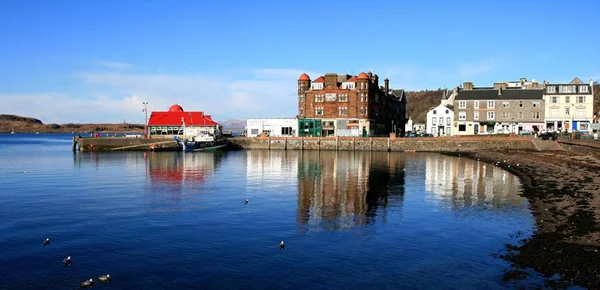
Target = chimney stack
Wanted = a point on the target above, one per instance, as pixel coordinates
(467, 86)
(386, 85)
(499, 91)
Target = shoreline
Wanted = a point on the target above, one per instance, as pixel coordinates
(563, 190)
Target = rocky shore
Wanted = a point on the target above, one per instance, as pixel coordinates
(563, 189)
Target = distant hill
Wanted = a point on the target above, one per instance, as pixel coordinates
(419, 102)
(233, 125)
(21, 124)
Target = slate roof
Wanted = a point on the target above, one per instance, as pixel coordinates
(536, 94)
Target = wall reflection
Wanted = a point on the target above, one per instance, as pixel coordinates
(178, 168)
(458, 183)
(267, 167)
(337, 190)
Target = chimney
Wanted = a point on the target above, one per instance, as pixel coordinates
(386, 85)
(467, 86)
(500, 91)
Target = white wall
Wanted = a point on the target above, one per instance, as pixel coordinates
(256, 126)
(440, 112)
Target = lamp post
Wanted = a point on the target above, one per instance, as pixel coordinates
(146, 123)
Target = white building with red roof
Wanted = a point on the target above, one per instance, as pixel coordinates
(177, 122)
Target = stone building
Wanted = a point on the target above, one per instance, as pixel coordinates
(498, 110)
(347, 105)
(569, 106)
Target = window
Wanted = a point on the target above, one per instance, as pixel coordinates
(448, 121)
(490, 115)
(363, 97)
(491, 104)
(342, 110)
(551, 89)
(433, 121)
(476, 115)
(521, 115)
(476, 104)
(462, 104)
(554, 100)
(348, 86)
(447, 111)
(505, 104)
(554, 112)
(362, 86)
(316, 86)
(462, 128)
(566, 89)
(254, 131)
(580, 113)
(536, 115)
(301, 96)
(434, 112)
(319, 111)
(441, 121)
(568, 111)
(343, 98)
(536, 104)
(462, 115)
(301, 111)
(583, 89)
(319, 98)
(286, 131)
(363, 110)
(505, 115)
(567, 99)
(520, 104)
(581, 99)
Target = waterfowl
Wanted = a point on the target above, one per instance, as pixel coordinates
(281, 245)
(67, 260)
(246, 201)
(46, 242)
(104, 278)
(87, 283)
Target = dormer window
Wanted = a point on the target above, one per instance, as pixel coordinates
(316, 86)
(583, 89)
(551, 89)
(348, 85)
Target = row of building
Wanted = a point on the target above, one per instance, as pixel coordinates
(346, 105)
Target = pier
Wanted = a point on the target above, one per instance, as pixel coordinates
(84, 144)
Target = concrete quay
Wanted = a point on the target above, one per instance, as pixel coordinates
(423, 144)
(86, 144)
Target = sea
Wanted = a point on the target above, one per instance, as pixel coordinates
(215, 220)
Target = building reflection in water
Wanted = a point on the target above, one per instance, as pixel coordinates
(458, 183)
(181, 168)
(264, 168)
(341, 189)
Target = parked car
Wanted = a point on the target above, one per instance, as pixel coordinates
(547, 136)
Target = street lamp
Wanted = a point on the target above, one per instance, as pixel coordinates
(146, 124)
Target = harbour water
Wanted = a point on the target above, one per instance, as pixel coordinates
(173, 220)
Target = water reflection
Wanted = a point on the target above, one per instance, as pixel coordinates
(179, 168)
(337, 190)
(458, 183)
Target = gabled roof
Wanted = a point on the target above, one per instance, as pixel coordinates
(174, 119)
(576, 81)
(536, 94)
(351, 80)
(320, 79)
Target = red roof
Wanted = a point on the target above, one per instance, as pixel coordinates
(174, 119)
(319, 80)
(304, 77)
(175, 108)
(363, 76)
(352, 79)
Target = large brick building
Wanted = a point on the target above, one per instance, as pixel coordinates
(347, 105)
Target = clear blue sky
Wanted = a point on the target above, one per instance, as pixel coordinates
(95, 61)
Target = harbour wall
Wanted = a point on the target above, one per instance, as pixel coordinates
(123, 144)
(425, 144)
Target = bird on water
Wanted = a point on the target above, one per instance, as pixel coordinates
(281, 245)
(87, 283)
(67, 261)
(104, 278)
(246, 201)
(46, 242)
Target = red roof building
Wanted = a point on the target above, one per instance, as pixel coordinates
(171, 122)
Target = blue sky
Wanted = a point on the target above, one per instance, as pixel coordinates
(97, 61)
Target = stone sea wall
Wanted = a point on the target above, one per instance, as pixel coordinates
(441, 144)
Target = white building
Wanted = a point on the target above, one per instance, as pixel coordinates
(276, 127)
(439, 120)
(569, 106)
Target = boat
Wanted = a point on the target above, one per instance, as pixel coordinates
(13, 131)
(200, 139)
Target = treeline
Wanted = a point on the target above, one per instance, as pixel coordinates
(419, 103)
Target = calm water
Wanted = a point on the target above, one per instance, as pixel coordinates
(174, 220)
